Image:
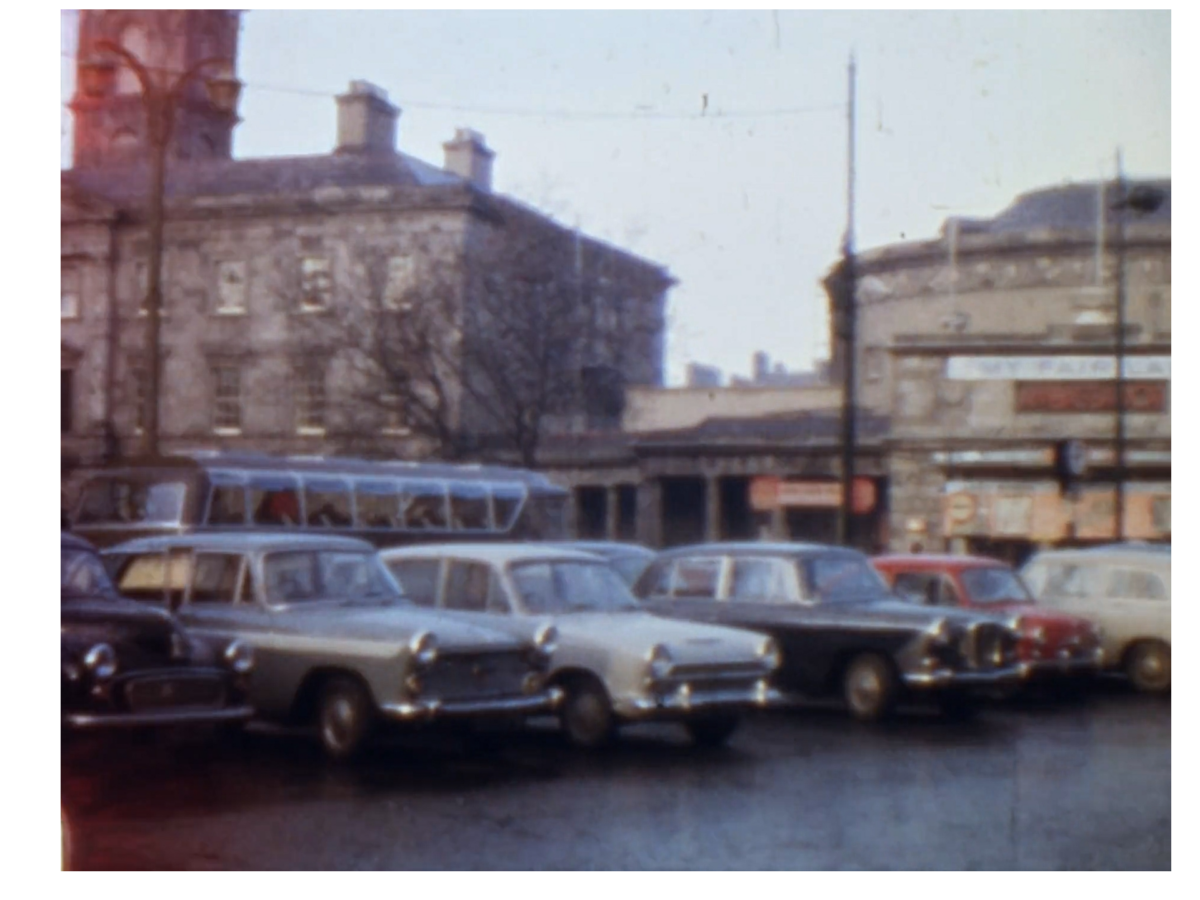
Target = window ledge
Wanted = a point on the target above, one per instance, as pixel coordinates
(306, 310)
(227, 432)
(310, 431)
(396, 432)
(229, 311)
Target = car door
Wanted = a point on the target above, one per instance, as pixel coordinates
(219, 602)
(1138, 602)
(764, 594)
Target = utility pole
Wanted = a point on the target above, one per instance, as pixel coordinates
(848, 314)
(1119, 448)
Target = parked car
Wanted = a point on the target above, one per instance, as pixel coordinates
(1053, 646)
(1126, 590)
(615, 662)
(840, 630)
(125, 665)
(339, 645)
(630, 560)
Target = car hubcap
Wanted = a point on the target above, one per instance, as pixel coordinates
(586, 717)
(865, 688)
(339, 721)
(1153, 666)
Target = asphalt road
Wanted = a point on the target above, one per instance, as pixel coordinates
(1083, 785)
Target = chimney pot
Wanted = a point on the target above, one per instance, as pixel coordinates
(468, 156)
(366, 120)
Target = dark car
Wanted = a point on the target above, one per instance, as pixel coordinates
(630, 560)
(128, 665)
(839, 628)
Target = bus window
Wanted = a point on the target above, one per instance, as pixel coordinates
(377, 504)
(424, 504)
(327, 503)
(226, 502)
(275, 500)
(469, 506)
(119, 501)
(506, 505)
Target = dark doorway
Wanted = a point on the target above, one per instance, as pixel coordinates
(68, 398)
(627, 512)
(590, 513)
(737, 518)
(682, 511)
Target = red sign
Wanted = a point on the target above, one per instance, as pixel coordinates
(1089, 396)
(769, 492)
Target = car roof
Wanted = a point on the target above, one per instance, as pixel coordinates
(604, 547)
(758, 548)
(497, 553)
(938, 561)
(242, 541)
(1123, 552)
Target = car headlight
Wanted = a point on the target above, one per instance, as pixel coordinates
(1038, 635)
(424, 648)
(769, 653)
(101, 661)
(660, 662)
(239, 657)
(546, 640)
(940, 633)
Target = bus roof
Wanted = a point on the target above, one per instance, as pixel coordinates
(338, 465)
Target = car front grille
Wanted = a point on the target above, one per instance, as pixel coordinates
(173, 692)
(988, 646)
(475, 675)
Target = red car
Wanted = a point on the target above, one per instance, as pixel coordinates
(1053, 646)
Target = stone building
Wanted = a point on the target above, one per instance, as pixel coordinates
(267, 261)
(992, 344)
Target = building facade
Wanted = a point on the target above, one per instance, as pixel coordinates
(993, 345)
(280, 275)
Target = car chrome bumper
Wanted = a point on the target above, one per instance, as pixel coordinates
(684, 700)
(91, 721)
(1049, 668)
(939, 679)
(535, 704)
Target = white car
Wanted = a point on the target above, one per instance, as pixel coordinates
(614, 661)
(1123, 588)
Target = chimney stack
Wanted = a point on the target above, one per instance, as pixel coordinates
(366, 121)
(468, 156)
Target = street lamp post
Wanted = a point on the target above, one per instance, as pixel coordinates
(1143, 200)
(160, 101)
(848, 320)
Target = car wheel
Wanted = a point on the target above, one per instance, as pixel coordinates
(586, 714)
(344, 717)
(712, 731)
(958, 706)
(869, 687)
(1148, 666)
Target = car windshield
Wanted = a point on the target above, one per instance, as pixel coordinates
(83, 575)
(841, 579)
(995, 584)
(305, 576)
(571, 586)
(630, 567)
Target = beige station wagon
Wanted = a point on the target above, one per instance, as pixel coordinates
(1125, 589)
(336, 643)
(615, 662)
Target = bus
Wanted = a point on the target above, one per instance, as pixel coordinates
(387, 503)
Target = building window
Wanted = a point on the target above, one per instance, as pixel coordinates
(316, 283)
(395, 419)
(231, 287)
(68, 398)
(401, 278)
(227, 399)
(310, 400)
(70, 294)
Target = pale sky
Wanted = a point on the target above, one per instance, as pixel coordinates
(600, 120)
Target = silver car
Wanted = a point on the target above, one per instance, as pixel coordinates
(336, 643)
(1123, 588)
(615, 662)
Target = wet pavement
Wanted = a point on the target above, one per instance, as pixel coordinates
(1079, 785)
